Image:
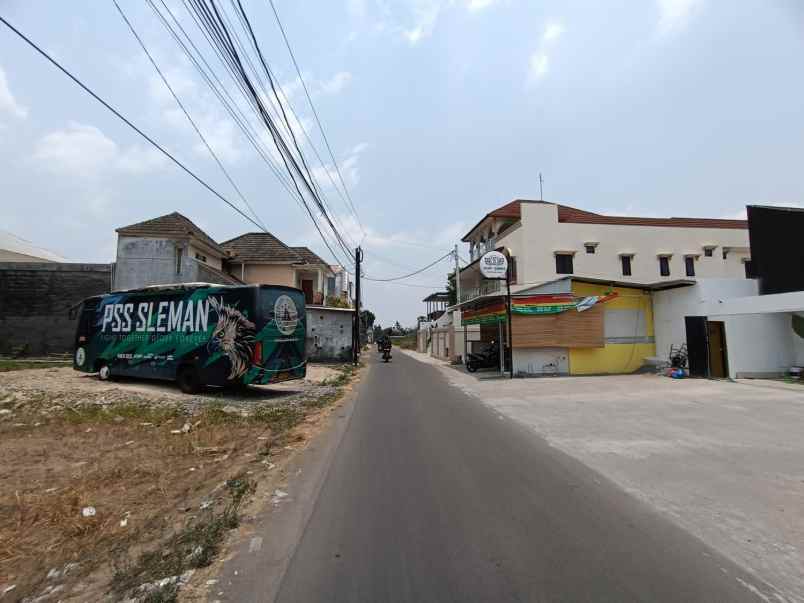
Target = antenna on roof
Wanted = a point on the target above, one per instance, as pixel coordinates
(541, 192)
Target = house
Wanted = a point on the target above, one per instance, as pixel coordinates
(172, 249)
(168, 249)
(583, 283)
(748, 328)
(259, 257)
(440, 333)
(16, 249)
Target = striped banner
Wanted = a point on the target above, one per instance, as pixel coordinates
(532, 305)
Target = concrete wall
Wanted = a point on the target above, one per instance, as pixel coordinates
(671, 306)
(145, 261)
(211, 260)
(758, 345)
(329, 334)
(35, 299)
(541, 234)
(267, 274)
(541, 361)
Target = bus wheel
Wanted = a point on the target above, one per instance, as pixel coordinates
(188, 379)
(104, 372)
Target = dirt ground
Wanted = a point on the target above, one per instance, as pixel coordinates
(95, 475)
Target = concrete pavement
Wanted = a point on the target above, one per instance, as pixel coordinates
(724, 460)
(432, 496)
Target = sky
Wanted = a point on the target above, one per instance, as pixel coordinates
(437, 111)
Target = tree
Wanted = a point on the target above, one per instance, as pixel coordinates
(452, 289)
(367, 318)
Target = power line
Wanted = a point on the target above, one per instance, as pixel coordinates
(315, 114)
(211, 20)
(117, 113)
(399, 278)
(187, 115)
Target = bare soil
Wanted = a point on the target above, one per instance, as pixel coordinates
(93, 474)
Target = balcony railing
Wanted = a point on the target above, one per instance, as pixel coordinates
(485, 288)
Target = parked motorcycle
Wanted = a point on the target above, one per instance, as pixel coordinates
(488, 358)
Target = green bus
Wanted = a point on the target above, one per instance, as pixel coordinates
(195, 333)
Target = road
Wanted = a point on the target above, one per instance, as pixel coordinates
(432, 496)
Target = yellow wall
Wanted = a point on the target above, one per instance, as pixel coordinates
(614, 357)
(267, 274)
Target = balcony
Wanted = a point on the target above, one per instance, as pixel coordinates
(485, 288)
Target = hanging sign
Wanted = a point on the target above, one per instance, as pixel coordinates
(494, 265)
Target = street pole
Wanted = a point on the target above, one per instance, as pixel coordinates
(508, 311)
(458, 301)
(356, 330)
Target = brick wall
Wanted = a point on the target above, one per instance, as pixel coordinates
(35, 299)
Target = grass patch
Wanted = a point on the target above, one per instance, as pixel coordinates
(116, 413)
(344, 376)
(279, 418)
(20, 365)
(193, 547)
(408, 342)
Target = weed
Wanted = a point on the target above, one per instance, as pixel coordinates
(279, 418)
(194, 547)
(93, 413)
(19, 365)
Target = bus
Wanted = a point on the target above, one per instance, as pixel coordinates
(197, 334)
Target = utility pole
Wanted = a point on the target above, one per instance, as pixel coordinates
(356, 329)
(458, 300)
(457, 276)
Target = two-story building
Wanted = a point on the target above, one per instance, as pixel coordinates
(582, 283)
(259, 257)
(172, 249)
(168, 249)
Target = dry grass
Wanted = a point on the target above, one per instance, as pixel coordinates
(159, 478)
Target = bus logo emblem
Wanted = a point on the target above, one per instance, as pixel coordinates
(286, 315)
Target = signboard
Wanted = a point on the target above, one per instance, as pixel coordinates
(494, 265)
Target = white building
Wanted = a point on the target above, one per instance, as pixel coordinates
(560, 255)
(549, 240)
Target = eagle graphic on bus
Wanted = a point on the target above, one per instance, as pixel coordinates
(197, 334)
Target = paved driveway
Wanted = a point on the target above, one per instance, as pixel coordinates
(724, 460)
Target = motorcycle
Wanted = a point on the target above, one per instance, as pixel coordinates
(385, 350)
(489, 358)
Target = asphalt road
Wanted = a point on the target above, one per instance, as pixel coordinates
(432, 496)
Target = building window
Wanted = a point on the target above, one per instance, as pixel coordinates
(708, 251)
(512, 268)
(749, 269)
(564, 263)
(179, 254)
(664, 265)
(689, 265)
(590, 248)
(725, 253)
(198, 256)
(626, 261)
(331, 285)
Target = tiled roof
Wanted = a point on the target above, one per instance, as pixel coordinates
(170, 225)
(513, 210)
(309, 256)
(261, 247)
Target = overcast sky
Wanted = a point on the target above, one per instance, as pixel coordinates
(438, 110)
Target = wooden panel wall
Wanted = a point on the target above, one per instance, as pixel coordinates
(570, 329)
